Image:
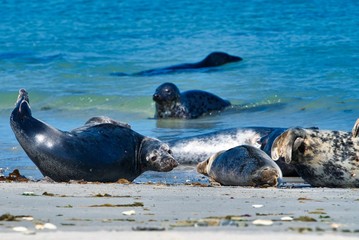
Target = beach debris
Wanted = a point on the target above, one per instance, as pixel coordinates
(262, 222)
(305, 219)
(123, 181)
(7, 217)
(27, 218)
(42, 226)
(20, 229)
(257, 205)
(66, 206)
(14, 176)
(103, 195)
(48, 194)
(230, 220)
(317, 212)
(135, 204)
(146, 228)
(129, 213)
(286, 218)
(29, 194)
(53, 195)
(301, 229)
(336, 226)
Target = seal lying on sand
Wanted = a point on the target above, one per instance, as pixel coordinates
(192, 150)
(322, 158)
(170, 103)
(214, 59)
(97, 151)
(242, 166)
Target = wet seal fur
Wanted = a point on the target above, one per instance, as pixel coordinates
(171, 103)
(242, 166)
(193, 149)
(214, 59)
(103, 150)
(323, 158)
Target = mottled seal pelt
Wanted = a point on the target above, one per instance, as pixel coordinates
(214, 59)
(102, 150)
(193, 149)
(171, 103)
(242, 166)
(323, 158)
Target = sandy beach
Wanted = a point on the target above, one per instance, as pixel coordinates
(43, 210)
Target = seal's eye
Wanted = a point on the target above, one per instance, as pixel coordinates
(169, 151)
(301, 148)
(153, 158)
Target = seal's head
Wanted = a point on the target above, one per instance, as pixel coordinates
(267, 176)
(156, 156)
(289, 145)
(204, 167)
(22, 108)
(166, 93)
(215, 59)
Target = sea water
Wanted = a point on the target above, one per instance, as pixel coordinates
(300, 64)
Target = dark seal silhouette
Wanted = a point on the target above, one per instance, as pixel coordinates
(214, 59)
(102, 150)
(170, 103)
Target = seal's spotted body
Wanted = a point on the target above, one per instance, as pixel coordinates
(170, 103)
(322, 158)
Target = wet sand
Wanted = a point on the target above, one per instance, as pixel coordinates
(43, 210)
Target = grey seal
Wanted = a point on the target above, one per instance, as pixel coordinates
(323, 158)
(193, 149)
(98, 151)
(242, 166)
(214, 59)
(171, 103)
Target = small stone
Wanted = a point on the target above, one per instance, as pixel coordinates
(263, 222)
(257, 205)
(129, 213)
(50, 226)
(286, 218)
(20, 229)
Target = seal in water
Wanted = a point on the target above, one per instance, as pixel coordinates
(214, 59)
(193, 149)
(103, 152)
(242, 166)
(323, 158)
(170, 103)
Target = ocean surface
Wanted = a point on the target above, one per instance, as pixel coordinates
(300, 64)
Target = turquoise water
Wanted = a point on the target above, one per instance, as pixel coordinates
(300, 63)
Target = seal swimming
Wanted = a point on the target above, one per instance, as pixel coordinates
(323, 158)
(171, 103)
(214, 59)
(101, 150)
(242, 166)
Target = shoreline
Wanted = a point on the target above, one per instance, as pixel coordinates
(167, 211)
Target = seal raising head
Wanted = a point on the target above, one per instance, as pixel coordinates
(102, 150)
(171, 103)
